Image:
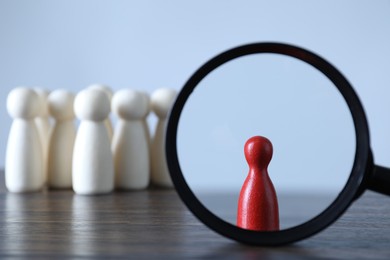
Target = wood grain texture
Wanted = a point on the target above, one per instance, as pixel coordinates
(156, 224)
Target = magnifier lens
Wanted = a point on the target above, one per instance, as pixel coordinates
(285, 100)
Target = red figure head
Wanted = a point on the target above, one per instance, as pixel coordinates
(258, 152)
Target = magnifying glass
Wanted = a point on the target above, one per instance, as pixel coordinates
(321, 160)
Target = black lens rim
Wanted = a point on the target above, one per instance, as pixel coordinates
(318, 223)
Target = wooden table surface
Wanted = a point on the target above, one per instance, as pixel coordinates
(156, 224)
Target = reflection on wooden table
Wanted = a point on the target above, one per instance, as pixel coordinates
(155, 223)
(294, 208)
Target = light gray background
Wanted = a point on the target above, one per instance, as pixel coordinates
(151, 44)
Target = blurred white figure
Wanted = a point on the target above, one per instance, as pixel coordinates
(161, 101)
(130, 146)
(43, 126)
(147, 129)
(145, 119)
(24, 168)
(108, 91)
(92, 166)
(61, 139)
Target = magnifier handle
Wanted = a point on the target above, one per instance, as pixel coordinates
(380, 180)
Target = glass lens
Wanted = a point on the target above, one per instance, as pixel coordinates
(285, 100)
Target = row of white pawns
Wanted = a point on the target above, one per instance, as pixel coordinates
(93, 159)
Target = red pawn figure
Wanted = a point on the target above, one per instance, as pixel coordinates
(258, 204)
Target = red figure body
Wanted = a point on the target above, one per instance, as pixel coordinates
(258, 204)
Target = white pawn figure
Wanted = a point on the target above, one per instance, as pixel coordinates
(146, 128)
(162, 100)
(145, 122)
(24, 169)
(93, 168)
(108, 91)
(43, 126)
(130, 146)
(61, 139)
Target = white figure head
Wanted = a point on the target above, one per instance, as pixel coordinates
(106, 89)
(42, 95)
(60, 104)
(162, 100)
(23, 103)
(129, 104)
(92, 104)
(147, 98)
